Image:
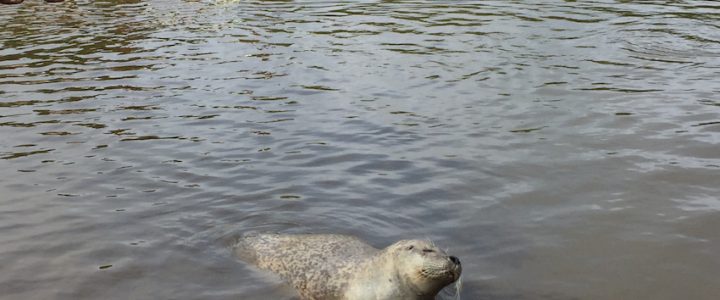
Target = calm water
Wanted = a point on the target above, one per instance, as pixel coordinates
(562, 149)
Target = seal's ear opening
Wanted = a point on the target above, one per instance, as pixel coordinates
(410, 247)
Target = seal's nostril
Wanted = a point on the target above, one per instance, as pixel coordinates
(455, 260)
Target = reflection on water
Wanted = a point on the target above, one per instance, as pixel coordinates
(564, 150)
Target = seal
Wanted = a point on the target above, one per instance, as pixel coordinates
(340, 267)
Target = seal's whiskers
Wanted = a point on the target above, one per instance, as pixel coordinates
(458, 287)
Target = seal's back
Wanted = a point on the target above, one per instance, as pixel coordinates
(307, 261)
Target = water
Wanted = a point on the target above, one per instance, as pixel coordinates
(561, 149)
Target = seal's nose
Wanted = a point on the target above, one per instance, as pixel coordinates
(455, 260)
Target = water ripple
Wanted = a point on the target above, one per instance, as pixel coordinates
(537, 140)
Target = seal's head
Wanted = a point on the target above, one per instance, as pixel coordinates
(424, 266)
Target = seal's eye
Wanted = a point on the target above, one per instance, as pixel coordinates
(410, 247)
(428, 250)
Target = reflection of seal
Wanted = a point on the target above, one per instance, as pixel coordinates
(338, 267)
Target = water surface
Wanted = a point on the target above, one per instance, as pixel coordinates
(561, 149)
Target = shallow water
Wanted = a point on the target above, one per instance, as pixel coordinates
(561, 149)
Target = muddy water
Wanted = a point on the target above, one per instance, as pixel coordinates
(561, 149)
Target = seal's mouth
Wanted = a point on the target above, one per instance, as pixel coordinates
(444, 277)
(456, 273)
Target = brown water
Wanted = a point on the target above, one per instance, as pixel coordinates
(561, 149)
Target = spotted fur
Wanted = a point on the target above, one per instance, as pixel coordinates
(339, 267)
